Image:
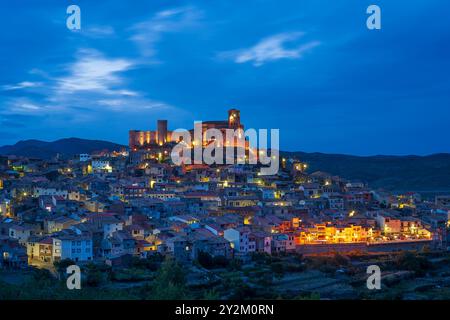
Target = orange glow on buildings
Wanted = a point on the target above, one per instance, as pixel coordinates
(145, 140)
(322, 233)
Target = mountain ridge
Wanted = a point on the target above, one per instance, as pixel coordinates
(400, 173)
(66, 147)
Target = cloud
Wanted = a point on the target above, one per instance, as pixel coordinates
(99, 31)
(147, 33)
(20, 105)
(92, 81)
(271, 49)
(124, 104)
(22, 85)
(94, 77)
(95, 73)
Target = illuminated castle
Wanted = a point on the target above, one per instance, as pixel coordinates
(147, 140)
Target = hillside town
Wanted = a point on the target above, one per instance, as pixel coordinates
(113, 206)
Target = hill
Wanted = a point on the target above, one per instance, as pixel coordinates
(65, 147)
(398, 173)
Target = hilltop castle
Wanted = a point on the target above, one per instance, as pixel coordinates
(161, 137)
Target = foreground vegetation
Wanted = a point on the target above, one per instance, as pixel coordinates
(420, 275)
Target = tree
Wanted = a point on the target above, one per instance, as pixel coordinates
(211, 295)
(170, 282)
(311, 296)
(62, 265)
(220, 261)
(412, 262)
(341, 260)
(97, 274)
(243, 292)
(205, 260)
(152, 262)
(95, 278)
(278, 269)
(235, 265)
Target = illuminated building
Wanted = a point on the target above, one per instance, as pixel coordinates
(5, 208)
(139, 140)
(146, 145)
(323, 233)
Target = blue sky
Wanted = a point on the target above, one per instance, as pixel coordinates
(308, 67)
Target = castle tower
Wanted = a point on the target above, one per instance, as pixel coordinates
(162, 132)
(234, 118)
(134, 139)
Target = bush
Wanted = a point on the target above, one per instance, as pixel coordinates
(243, 292)
(278, 269)
(311, 296)
(294, 267)
(132, 275)
(62, 265)
(235, 265)
(170, 282)
(220, 261)
(152, 262)
(96, 278)
(413, 262)
(341, 260)
(205, 260)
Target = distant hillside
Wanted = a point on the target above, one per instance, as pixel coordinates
(65, 147)
(398, 173)
(430, 174)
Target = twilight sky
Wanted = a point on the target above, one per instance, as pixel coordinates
(308, 67)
